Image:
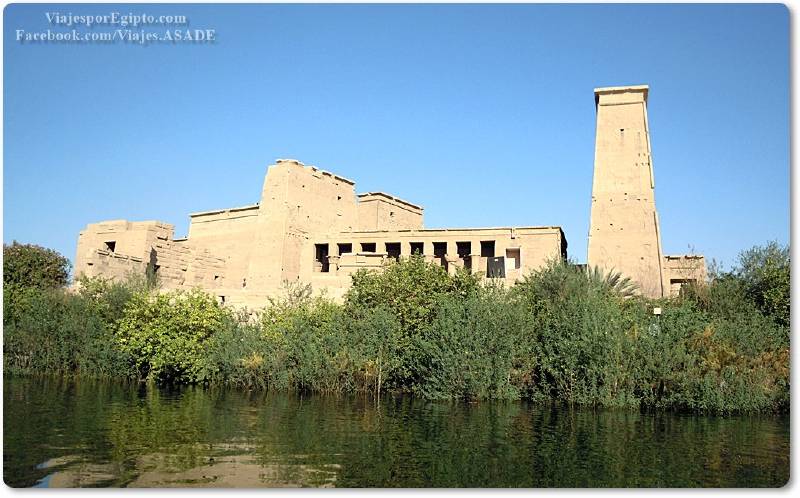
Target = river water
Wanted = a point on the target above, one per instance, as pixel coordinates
(68, 434)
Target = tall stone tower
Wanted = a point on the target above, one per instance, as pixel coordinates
(624, 232)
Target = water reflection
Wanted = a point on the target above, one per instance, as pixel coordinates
(63, 434)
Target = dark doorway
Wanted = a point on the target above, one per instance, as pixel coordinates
(464, 249)
(439, 251)
(321, 257)
(496, 267)
(393, 250)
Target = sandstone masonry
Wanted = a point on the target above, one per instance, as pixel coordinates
(310, 226)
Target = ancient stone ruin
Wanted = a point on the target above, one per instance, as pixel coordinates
(311, 227)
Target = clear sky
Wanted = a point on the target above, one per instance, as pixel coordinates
(482, 114)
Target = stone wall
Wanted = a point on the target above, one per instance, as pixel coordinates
(525, 249)
(381, 211)
(122, 243)
(117, 249)
(106, 264)
(683, 269)
(227, 234)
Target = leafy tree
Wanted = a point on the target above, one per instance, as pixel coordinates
(411, 290)
(28, 265)
(580, 335)
(166, 334)
(474, 348)
(375, 335)
(765, 272)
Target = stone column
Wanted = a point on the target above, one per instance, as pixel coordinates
(333, 263)
(427, 250)
(453, 263)
(476, 262)
(405, 249)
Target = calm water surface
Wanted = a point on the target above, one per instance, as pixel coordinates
(63, 434)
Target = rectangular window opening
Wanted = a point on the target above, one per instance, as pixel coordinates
(676, 284)
(464, 249)
(321, 258)
(512, 259)
(418, 248)
(393, 250)
(368, 247)
(345, 248)
(487, 248)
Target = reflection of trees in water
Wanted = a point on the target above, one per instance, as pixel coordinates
(620, 448)
(192, 436)
(162, 430)
(52, 419)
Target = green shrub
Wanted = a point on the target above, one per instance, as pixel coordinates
(316, 356)
(28, 265)
(57, 332)
(300, 342)
(764, 271)
(580, 333)
(473, 349)
(563, 334)
(110, 297)
(410, 290)
(374, 338)
(165, 334)
(240, 354)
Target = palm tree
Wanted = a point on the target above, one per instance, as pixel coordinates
(614, 281)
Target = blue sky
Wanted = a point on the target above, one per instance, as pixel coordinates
(482, 114)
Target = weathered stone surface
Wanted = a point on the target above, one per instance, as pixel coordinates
(295, 233)
(624, 233)
(310, 227)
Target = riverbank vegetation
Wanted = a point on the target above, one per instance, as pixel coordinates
(563, 334)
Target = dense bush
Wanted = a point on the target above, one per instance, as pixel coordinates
(165, 334)
(241, 355)
(412, 292)
(474, 348)
(28, 265)
(582, 331)
(299, 342)
(563, 334)
(764, 272)
(51, 331)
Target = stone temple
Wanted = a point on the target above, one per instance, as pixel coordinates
(311, 227)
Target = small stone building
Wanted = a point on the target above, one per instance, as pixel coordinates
(310, 226)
